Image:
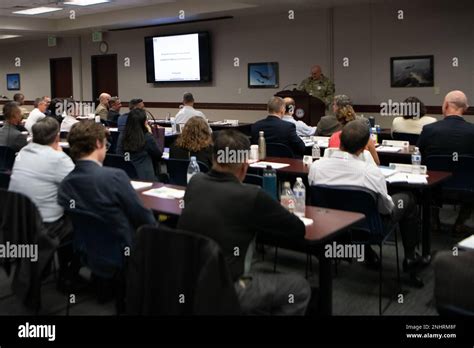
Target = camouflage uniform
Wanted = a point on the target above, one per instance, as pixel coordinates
(322, 88)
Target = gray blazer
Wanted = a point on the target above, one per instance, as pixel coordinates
(12, 137)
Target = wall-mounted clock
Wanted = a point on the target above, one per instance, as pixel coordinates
(104, 47)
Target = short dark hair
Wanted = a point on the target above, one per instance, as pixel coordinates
(354, 136)
(83, 138)
(113, 100)
(275, 104)
(9, 108)
(134, 103)
(45, 131)
(18, 96)
(415, 100)
(188, 98)
(231, 140)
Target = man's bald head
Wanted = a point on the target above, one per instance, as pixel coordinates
(289, 105)
(104, 98)
(455, 103)
(316, 72)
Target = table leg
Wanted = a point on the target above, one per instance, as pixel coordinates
(426, 222)
(325, 283)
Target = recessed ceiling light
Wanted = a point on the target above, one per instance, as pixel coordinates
(85, 2)
(4, 37)
(38, 10)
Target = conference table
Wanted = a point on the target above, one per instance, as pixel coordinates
(216, 125)
(424, 192)
(328, 224)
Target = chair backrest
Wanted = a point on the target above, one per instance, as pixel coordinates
(7, 158)
(254, 179)
(101, 248)
(350, 198)
(461, 166)
(4, 180)
(113, 142)
(117, 161)
(178, 170)
(169, 265)
(411, 138)
(279, 150)
(63, 135)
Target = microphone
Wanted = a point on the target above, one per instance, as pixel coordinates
(291, 84)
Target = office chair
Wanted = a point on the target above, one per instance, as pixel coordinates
(279, 150)
(4, 180)
(117, 161)
(7, 158)
(178, 169)
(411, 138)
(254, 180)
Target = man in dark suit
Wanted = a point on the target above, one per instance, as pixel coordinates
(104, 191)
(276, 130)
(10, 136)
(220, 207)
(452, 136)
(115, 105)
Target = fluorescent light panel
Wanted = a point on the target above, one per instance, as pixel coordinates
(85, 2)
(38, 10)
(4, 37)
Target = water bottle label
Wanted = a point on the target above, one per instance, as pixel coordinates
(416, 158)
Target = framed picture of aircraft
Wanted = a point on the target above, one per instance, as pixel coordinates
(263, 75)
(414, 71)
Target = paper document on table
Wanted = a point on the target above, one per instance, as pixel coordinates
(389, 149)
(306, 221)
(139, 185)
(387, 171)
(408, 178)
(274, 165)
(467, 243)
(165, 192)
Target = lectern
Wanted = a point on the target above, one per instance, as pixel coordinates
(308, 109)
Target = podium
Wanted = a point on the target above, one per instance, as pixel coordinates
(308, 109)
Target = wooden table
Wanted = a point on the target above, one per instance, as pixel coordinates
(327, 225)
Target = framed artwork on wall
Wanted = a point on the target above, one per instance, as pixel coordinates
(13, 82)
(414, 71)
(263, 75)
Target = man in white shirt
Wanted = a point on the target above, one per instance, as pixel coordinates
(188, 110)
(302, 129)
(347, 167)
(38, 113)
(38, 170)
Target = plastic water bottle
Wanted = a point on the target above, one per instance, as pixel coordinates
(173, 125)
(300, 195)
(287, 197)
(374, 135)
(270, 182)
(316, 151)
(262, 146)
(416, 161)
(193, 168)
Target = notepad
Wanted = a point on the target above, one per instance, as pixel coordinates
(274, 165)
(387, 171)
(165, 192)
(139, 185)
(408, 178)
(467, 243)
(388, 149)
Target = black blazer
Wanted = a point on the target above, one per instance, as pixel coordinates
(278, 131)
(204, 155)
(219, 206)
(453, 134)
(108, 193)
(143, 160)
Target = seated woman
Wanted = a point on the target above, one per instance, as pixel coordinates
(412, 124)
(195, 140)
(345, 115)
(139, 146)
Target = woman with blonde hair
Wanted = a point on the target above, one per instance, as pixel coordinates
(344, 115)
(195, 140)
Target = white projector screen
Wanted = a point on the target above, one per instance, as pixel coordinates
(176, 58)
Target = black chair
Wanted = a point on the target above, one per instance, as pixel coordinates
(178, 170)
(462, 168)
(279, 150)
(7, 158)
(411, 138)
(113, 138)
(254, 180)
(101, 249)
(117, 161)
(371, 231)
(4, 180)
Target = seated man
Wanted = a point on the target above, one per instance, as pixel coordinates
(302, 129)
(346, 167)
(133, 104)
(104, 191)
(114, 109)
(38, 113)
(219, 206)
(188, 110)
(102, 109)
(10, 136)
(276, 130)
(39, 169)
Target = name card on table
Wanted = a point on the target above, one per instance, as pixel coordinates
(274, 165)
(408, 168)
(396, 143)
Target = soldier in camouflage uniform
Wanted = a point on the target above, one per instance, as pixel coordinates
(318, 86)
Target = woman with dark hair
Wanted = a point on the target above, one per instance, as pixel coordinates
(195, 140)
(413, 122)
(138, 145)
